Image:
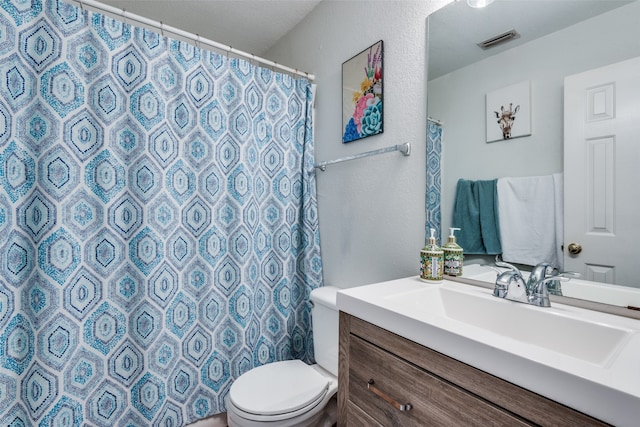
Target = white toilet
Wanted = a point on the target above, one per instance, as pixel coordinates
(291, 393)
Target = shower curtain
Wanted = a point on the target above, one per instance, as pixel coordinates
(434, 153)
(158, 221)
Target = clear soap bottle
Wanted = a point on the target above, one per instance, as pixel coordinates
(453, 255)
(432, 261)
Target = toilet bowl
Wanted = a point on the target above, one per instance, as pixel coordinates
(291, 393)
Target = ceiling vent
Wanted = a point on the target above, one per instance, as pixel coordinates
(499, 39)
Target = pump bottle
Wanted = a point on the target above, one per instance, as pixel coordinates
(453, 255)
(431, 261)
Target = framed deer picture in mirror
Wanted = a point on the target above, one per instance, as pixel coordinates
(509, 112)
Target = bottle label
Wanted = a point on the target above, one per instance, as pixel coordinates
(431, 266)
(453, 264)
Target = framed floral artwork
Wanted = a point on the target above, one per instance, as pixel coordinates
(362, 94)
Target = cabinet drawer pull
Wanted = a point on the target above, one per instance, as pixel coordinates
(394, 403)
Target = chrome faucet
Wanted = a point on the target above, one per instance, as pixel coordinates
(542, 276)
(510, 284)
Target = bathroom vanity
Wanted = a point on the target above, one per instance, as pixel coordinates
(413, 353)
(441, 390)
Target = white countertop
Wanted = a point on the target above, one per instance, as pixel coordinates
(607, 386)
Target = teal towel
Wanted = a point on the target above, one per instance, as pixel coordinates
(476, 214)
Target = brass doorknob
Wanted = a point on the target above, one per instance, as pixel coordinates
(574, 248)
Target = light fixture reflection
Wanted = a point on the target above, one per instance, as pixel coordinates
(479, 3)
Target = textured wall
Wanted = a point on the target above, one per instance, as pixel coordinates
(371, 210)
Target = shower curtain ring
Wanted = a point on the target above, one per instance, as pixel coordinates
(161, 29)
(229, 51)
(81, 5)
(198, 41)
(124, 15)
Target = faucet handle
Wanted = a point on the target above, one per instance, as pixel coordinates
(540, 294)
(554, 284)
(496, 270)
(511, 285)
(539, 273)
(549, 284)
(544, 269)
(501, 263)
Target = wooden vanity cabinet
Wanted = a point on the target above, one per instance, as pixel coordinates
(379, 372)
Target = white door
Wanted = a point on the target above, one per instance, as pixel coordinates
(602, 173)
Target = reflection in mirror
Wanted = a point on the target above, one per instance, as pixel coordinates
(555, 40)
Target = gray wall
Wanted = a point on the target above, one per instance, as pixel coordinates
(371, 210)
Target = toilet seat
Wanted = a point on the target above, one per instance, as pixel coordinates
(278, 390)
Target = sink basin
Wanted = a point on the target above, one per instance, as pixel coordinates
(550, 328)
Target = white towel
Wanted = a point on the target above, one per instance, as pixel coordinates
(530, 211)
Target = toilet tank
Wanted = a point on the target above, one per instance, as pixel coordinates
(324, 318)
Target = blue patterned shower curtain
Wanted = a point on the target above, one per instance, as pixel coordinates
(158, 221)
(434, 188)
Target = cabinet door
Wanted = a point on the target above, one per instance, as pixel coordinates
(356, 417)
(433, 401)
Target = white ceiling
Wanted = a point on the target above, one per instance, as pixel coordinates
(253, 26)
(455, 30)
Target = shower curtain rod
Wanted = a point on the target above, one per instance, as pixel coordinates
(436, 121)
(195, 38)
(403, 148)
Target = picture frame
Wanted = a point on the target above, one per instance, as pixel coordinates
(362, 94)
(509, 112)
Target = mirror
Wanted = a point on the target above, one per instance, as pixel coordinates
(556, 39)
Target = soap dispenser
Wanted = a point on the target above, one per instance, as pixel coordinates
(453, 255)
(431, 261)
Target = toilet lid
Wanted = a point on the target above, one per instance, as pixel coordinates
(278, 388)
